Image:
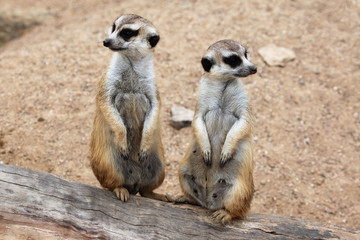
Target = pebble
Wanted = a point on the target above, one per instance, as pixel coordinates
(180, 117)
(301, 81)
(276, 56)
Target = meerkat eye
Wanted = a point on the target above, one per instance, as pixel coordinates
(233, 61)
(113, 28)
(128, 33)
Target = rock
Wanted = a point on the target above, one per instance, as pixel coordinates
(276, 56)
(180, 117)
(301, 81)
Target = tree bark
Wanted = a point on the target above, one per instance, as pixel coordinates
(35, 205)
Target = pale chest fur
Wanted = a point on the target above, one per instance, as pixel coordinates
(221, 103)
(129, 87)
(227, 97)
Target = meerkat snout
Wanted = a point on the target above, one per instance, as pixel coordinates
(106, 42)
(253, 70)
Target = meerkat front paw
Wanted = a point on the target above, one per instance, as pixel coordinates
(122, 193)
(122, 147)
(124, 154)
(225, 157)
(207, 157)
(222, 216)
(143, 155)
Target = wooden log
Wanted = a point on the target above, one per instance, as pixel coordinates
(35, 205)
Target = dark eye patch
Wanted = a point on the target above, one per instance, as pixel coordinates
(128, 33)
(233, 61)
(113, 28)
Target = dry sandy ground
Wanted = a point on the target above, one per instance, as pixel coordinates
(307, 134)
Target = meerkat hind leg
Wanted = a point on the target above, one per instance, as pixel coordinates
(122, 193)
(222, 216)
(156, 196)
(185, 199)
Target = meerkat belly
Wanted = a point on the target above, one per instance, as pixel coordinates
(218, 180)
(132, 108)
(218, 123)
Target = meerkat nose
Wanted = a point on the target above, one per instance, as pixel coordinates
(106, 42)
(253, 70)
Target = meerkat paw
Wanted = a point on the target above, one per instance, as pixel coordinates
(181, 199)
(157, 196)
(224, 159)
(222, 216)
(207, 157)
(122, 194)
(143, 155)
(184, 199)
(122, 147)
(169, 197)
(124, 154)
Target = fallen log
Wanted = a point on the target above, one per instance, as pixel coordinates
(35, 205)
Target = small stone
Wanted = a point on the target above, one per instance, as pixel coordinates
(180, 117)
(276, 56)
(267, 98)
(301, 81)
(41, 119)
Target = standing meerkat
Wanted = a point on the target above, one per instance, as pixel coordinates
(217, 171)
(126, 152)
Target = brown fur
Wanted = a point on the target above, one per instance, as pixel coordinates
(217, 170)
(126, 151)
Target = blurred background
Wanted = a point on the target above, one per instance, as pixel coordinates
(307, 134)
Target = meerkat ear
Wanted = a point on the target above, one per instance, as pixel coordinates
(206, 63)
(153, 40)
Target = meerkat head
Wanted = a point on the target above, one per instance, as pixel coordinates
(227, 59)
(132, 35)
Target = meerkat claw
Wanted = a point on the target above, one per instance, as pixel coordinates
(143, 155)
(124, 155)
(222, 216)
(224, 159)
(122, 194)
(207, 158)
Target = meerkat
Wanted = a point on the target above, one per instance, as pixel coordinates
(126, 151)
(217, 170)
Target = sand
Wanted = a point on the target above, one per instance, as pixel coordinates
(307, 133)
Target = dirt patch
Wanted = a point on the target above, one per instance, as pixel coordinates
(307, 114)
(16, 22)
